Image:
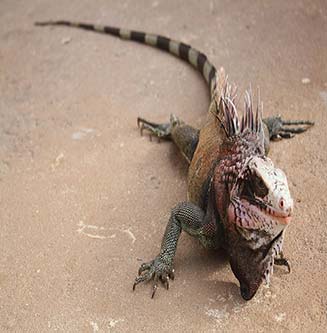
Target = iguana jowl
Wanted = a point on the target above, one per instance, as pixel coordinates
(237, 199)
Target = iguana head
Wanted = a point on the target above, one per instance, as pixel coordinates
(252, 195)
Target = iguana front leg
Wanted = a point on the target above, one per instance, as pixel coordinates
(184, 136)
(285, 129)
(185, 216)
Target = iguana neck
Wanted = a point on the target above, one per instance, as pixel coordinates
(235, 152)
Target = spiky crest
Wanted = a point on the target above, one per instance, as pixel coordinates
(225, 109)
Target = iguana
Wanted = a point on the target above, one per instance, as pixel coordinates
(237, 199)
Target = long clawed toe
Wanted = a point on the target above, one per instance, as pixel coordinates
(286, 129)
(164, 278)
(289, 132)
(155, 285)
(141, 278)
(160, 131)
(298, 122)
(283, 262)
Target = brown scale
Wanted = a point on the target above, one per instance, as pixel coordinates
(206, 154)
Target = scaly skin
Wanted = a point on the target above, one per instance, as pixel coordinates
(237, 199)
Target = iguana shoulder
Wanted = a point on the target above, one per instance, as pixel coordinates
(207, 152)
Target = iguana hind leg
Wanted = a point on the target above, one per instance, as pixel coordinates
(161, 131)
(184, 136)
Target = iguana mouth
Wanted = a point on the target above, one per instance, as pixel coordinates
(257, 212)
(283, 220)
(263, 207)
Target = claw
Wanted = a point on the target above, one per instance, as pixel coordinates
(137, 281)
(172, 274)
(144, 277)
(161, 131)
(165, 280)
(167, 283)
(143, 125)
(155, 286)
(142, 121)
(283, 262)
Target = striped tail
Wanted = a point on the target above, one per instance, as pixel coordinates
(187, 53)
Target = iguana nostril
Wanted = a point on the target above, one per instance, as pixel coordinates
(288, 208)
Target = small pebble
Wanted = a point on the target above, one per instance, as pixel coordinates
(66, 40)
(306, 80)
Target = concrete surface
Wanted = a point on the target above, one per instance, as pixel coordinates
(84, 198)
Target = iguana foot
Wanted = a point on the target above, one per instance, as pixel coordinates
(161, 131)
(157, 270)
(281, 261)
(279, 129)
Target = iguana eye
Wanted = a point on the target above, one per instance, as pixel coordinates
(259, 187)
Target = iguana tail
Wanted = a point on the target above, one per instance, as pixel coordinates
(187, 53)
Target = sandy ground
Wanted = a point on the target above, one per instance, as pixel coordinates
(84, 198)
